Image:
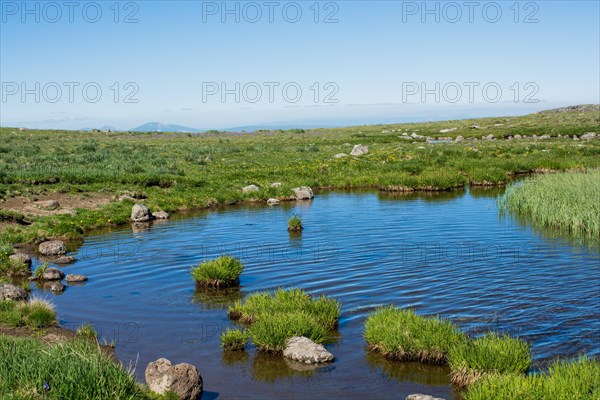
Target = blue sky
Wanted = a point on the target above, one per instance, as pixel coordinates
(173, 60)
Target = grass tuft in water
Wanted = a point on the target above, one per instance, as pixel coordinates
(221, 272)
(295, 223)
(490, 354)
(276, 317)
(403, 335)
(234, 339)
(578, 379)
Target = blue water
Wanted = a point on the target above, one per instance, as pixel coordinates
(449, 254)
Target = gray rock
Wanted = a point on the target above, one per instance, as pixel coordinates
(20, 258)
(545, 137)
(12, 292)
(57, 287)
(340, 155)
(140, 213)
(448, 130)
(302, 349)
(459, 138)
(48, 204)
(64, 260)
(422, 397)
(52, 248)
(475, 127)
(182, 379)
(273, 202)
(276, 184)
(76, 278)
(359, 150)
(489, 137)
(67, 211)
(250, 189)
(303, 193)
(588, 136)
(126, 197)
(52, 274)
(575, 137)
(517, 136)
(161, 215)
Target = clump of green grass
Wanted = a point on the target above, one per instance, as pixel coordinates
(274, 318)
(87, 331)
(567, 202)
(221, 272)
(295, 223)
(404, 335)
(490, 354)
(271, 334)
(234, 339)
(39, 271)
(38, 313)
(71, 370)
(578, 379)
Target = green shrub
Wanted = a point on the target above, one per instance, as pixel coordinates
(489, 354)
(223, 271)
(234, 339)
(10, 314)
(39, 313)
(404, 335)
(87, 331)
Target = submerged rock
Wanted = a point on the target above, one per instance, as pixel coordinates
(140, 213)
(52, 274)
(250, 189)
(64, 260)
(273, 202)
(76, 278)
(12, 292)
(359, 150)
(57, 287)
(161, 215)
(302, 349)
(303, 193)
(182, 379)
(52, 248)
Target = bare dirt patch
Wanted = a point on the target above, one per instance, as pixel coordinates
(67, 203)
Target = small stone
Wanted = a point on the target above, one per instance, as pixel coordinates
(588, 136)
(20, 258)
(71, 278)
(52, 274)
(276, 184)
(273, 202)
(359, 150)
(52, 248)
(302, 349)
(57, 287)
(250, 189)
(126, 197)
(448, 130)
(422, 397)
(140, 213)
(182, 379)
(11, 292)
(67, 211)
(64, 260)
(161, 215)
(48, 204)
(341, 155)
(459, 138)
(303, 193)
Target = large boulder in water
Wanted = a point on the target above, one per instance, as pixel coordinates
(182, 379)
(303, 193)
(304, 350)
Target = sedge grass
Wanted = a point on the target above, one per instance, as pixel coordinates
(221, 272)
(403, 335)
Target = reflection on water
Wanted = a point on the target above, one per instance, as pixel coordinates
(446, 254)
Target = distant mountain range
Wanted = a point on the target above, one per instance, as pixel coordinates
(158, 127)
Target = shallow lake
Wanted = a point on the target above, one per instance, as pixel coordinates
(447, 254)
